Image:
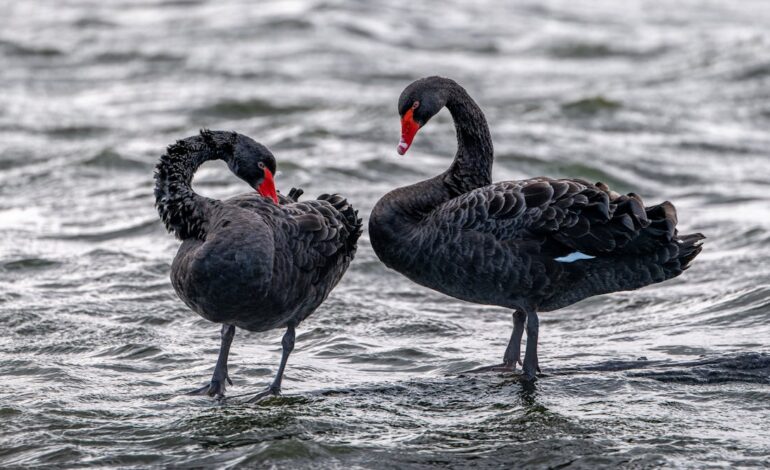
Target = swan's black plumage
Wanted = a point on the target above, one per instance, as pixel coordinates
(248, 262)
(506, 243)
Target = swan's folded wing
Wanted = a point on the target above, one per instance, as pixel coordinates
(561, 215)
(312, 235)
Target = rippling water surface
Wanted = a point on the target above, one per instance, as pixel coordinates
(668, 99)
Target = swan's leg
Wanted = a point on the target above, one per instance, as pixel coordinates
(512, 352)
(288, 346)
(530, 357)
(220, 378)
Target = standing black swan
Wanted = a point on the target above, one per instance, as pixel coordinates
(255, 261)
(533, 245)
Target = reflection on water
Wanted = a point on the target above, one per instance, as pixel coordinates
(666, 100)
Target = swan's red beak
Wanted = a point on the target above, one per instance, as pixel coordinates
(408, 130)
(267, 188)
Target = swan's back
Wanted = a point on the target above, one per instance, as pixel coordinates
(545, 242)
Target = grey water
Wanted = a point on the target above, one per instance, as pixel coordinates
(667, 99)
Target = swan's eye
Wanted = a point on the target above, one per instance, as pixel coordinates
(415, 105)
(261, 165)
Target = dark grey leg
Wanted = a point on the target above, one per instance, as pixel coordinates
(220, 378)
(513, 351)
(530, 357)
(288, 346)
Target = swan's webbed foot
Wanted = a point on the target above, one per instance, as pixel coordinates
(270, 391)
(215, 388)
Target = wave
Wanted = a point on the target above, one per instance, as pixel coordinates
(752, 367)
(240, 109)
(109, 158)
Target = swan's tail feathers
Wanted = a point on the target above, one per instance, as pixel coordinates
(662, 219)
(675, 252)
(350, 219)
(661, 229)
(606, 274)
(663, 222)
(688, 246)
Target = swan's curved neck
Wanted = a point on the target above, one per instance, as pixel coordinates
(472, 166)
(394, 218)
(183, 211)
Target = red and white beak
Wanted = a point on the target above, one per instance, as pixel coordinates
(267, 188)
(409, 129)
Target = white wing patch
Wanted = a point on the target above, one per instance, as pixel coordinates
(572, 257)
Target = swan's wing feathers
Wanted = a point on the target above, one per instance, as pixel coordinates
(310, 222)
(318, 231)
(563, 215)
(591, 218)
(310, 236)
(537, 194)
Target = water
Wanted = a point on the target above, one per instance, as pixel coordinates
(669, 100)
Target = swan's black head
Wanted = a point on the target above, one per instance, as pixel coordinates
(419, 102)
(255, 164)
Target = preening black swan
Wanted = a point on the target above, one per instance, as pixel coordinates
(255, 261)
(533, 245)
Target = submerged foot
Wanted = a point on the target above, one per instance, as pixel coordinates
(270, 391)
(530, 371)
(215, 388)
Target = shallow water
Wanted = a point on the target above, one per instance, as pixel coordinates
(670, 101)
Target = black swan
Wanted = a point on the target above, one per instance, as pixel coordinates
(255, 261)
(533, 245)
